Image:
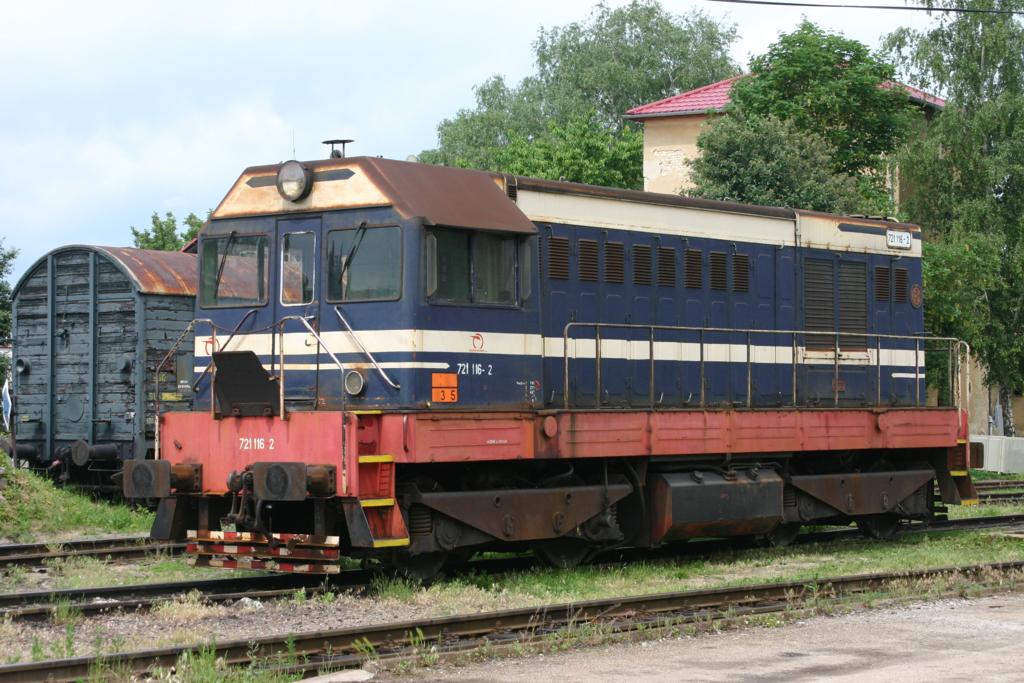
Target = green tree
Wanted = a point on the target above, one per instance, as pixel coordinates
(7, 256)
(831, 86)
(765, 160)
(580, 151)
(163, 235)
(614, 60)
(967, 177)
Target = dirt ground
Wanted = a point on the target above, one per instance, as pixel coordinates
(950, 640)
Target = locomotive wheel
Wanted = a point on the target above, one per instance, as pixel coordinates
(422, 568)
(780, 536)
(563, 553)
(884, 527)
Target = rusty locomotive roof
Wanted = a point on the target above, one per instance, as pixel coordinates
(439, 195)
(171, 273)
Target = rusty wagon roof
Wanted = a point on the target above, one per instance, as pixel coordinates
(171, 273)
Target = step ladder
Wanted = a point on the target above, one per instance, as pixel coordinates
(375, 485)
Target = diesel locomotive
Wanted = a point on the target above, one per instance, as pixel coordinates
(410, 363)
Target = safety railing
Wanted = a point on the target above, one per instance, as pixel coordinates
(159, 371)
(834, 346)
(365, 351)
(251, 312)
(341, 367)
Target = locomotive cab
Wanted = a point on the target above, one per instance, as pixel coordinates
(412, 363)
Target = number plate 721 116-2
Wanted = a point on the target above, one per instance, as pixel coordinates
(897, 239)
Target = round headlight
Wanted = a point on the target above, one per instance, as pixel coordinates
(354, 382)
(294, 181)
(22, 366)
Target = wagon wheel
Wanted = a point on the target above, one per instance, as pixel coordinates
(563, 553)
(884, 527)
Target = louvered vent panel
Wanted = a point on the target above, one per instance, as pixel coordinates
(642, 264)
(666, 267)
(882, 285)
(900, 285)
(853, 304)
(718, 272)
(740, 273)
(614, 257)
(694, 269)
(588, 260)
(819, 306)
(558, 258)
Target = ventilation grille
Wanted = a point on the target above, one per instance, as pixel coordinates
(558, 258)
(666, 267)
(642, 264)
(819, 307)
(900, 285)
(694, 269)
(740, 273)
(718, 274)
(853, 304)
(614, 256)
(588, 260)
(882, 285)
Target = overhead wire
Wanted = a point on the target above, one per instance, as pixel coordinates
(910, 8)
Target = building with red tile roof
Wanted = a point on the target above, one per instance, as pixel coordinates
(672, 124)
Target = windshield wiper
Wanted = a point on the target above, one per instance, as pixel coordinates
(356, 241)
(223, 260)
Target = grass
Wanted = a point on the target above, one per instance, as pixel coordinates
(32, 509)
(983, 475)
(797, 563)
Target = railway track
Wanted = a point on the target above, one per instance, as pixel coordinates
(312, 651)
(91, 601)
(120, 548)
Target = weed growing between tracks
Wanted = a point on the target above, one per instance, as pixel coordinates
(32, 509)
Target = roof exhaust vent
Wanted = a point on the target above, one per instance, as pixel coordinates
(335, 153)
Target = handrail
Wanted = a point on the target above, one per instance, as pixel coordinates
(366, 352)
(251, 311)
(341, 366)
(160, 366)
(956, 348)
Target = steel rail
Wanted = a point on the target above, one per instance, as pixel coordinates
(40, 604)
(340, 645)
(35, 554)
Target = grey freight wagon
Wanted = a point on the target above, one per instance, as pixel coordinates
(90, 326)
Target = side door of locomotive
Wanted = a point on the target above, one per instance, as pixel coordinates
(297, 293)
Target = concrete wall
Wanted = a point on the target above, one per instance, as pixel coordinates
(669, 143)
(1002, 453)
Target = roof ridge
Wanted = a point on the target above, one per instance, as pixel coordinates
(684, 94)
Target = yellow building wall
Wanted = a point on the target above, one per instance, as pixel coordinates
(669, 143)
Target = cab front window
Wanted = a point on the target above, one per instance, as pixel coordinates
(364, 264)
(234, 271)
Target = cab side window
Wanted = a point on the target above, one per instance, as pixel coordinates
(472, 267)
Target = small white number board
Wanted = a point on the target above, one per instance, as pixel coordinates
(897, 239)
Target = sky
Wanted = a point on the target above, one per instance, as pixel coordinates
(110, 111)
